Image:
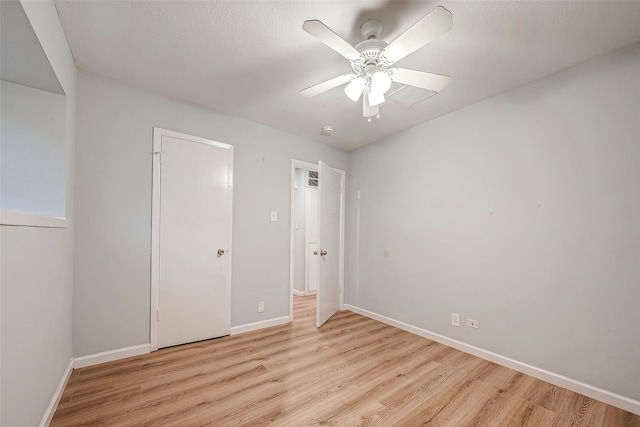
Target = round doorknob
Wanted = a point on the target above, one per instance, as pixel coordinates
(323, 253)
(220, 252)
(315, 252)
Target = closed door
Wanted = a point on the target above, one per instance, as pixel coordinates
(194, 271)
(330, 222)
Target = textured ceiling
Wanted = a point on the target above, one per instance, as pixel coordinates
(250, 58)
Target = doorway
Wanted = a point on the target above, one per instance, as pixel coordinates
(305, 219)
(308, 262)
(191, 239)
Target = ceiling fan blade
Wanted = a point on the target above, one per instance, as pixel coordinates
(325, 86)
(331, 39)
(434, 82)
(368, 110)
(432, 25)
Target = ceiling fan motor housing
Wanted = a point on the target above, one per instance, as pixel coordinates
(370, 54)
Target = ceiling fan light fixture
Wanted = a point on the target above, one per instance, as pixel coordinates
(354, 89)
(375, 98)
(380, 82)
(372, 59)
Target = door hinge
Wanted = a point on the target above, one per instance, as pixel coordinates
(159, 153)
(157, 315)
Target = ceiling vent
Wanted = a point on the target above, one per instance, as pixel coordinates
(410, 95)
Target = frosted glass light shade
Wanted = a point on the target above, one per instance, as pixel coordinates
(354, 89)
(375, 98)
(380, 82)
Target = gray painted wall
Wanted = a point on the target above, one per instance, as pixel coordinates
(33, 175)
(113, 209)
(36, 319)
(523, 212)
(37, 272)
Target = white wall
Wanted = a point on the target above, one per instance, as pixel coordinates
(33, 134)
(523, 212)
(113, 209)
(37, 275)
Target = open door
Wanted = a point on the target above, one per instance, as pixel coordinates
(330, 222)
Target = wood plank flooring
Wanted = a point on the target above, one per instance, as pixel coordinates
(353, 371)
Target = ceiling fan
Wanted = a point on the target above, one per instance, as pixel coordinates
(372, 60)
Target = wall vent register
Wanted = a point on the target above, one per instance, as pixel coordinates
(313, 179)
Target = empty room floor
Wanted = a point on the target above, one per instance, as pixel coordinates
(352, 371)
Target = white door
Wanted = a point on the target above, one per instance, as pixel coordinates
(194, 233)
(330, 221)
(311, 221)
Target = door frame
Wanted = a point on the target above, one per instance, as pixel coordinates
(299, 164)
(158, 133)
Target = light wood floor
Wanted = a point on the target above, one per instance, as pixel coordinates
(352, 371)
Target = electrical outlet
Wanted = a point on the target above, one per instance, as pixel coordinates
(260, 306)
(473, 323)
(455, 319)
(274, 216)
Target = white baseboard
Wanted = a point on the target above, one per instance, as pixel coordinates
(259, 325)
(111, 355)
(605, 396)
(55, 399)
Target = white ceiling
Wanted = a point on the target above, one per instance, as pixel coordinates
(250, 58)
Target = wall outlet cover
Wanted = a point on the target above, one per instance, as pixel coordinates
(473, 323)
(455, 319)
